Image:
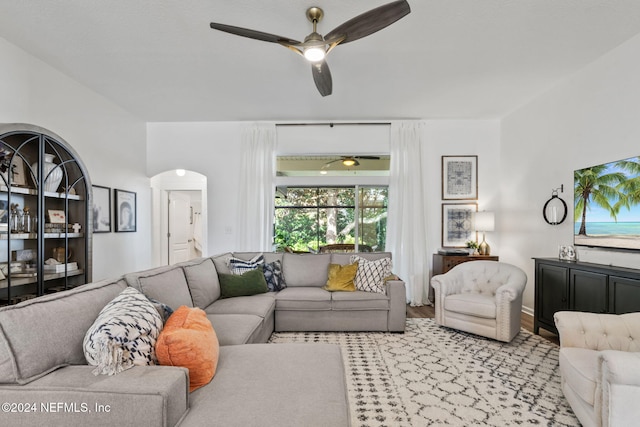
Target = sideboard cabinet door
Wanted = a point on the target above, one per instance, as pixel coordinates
(588, 291)
(551, 294)
(624, 295)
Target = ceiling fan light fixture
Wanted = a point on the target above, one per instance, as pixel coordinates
(349, 161)
(314, 53)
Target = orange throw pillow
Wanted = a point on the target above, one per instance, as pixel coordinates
(188, 340)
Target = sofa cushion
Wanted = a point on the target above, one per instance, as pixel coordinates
(303, 298)
(359, 300)
(123, 335)
(579, 368)
(31, 332)
(286, 385)
(259, 305)
(188, 340)
(234, 329)
(471, 304)
(345, 258)
(222, 262)
(371, 274)
(166, 284)
(306, 269)
(202, 279)
(143, 396)
(341, 278)
(250, 283)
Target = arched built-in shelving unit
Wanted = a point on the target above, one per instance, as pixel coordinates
(25, 246)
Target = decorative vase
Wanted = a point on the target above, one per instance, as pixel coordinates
(52, 173)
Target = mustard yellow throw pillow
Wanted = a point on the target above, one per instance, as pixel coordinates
(188, 340)
(341, 277)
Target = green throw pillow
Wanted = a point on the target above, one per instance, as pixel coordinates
(250, 283)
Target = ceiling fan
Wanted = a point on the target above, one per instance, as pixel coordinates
(315, 47)
(351, 160)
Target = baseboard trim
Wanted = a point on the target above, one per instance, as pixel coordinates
(527, 310)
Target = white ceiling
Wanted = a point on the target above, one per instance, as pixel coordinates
(160, 60)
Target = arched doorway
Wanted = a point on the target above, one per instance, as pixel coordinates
(179, 216)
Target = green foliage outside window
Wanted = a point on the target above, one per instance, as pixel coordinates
(310, 217)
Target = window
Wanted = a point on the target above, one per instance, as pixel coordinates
(307, 218)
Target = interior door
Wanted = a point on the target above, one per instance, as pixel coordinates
(179, 226)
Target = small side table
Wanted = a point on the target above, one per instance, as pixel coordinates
(444, 263)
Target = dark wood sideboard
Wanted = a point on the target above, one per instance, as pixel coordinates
(582, 286)
(443, 263)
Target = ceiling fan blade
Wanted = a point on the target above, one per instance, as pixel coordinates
(371, 21)
(368, 157)
(253, 34)
(322, 77)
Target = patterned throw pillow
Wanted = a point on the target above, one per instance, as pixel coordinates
(123, 335)
(241, 266)
(273, 276)
(163, 309)
(371, 274)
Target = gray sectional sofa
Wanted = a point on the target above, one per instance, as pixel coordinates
(44, 378)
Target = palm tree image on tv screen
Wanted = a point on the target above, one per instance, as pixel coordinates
(607, 205)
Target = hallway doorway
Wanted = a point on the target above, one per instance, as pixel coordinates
(179, 230)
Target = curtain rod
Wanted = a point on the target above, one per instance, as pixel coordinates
(332, 124)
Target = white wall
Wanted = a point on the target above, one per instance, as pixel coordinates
(110, 142)
(458, 138)
(590, 118)
(213, 150)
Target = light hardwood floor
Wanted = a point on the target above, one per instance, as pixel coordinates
(428, 311)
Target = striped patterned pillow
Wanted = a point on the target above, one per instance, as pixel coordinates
(123, 335)
(241, 266)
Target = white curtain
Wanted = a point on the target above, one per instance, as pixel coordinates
(406, 227)
(257, 186)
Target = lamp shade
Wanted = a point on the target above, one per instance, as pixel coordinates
(485, 221)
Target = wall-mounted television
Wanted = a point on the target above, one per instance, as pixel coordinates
(607, 205)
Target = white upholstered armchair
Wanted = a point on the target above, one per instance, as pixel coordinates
(481, 297)
(600, 366)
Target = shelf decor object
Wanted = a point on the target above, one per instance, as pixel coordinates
(459, 177)
(484, 221)
(51, 209)
(51, 172)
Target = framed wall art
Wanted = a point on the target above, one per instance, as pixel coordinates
(125, 211)
(459, 177)
(101, 209)
(457, 224)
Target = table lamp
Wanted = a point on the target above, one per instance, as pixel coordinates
(485, 221)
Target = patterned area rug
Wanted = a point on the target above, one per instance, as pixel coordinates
(433, 376)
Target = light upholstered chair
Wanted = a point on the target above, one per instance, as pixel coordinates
(600, 366)
(481, 297)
